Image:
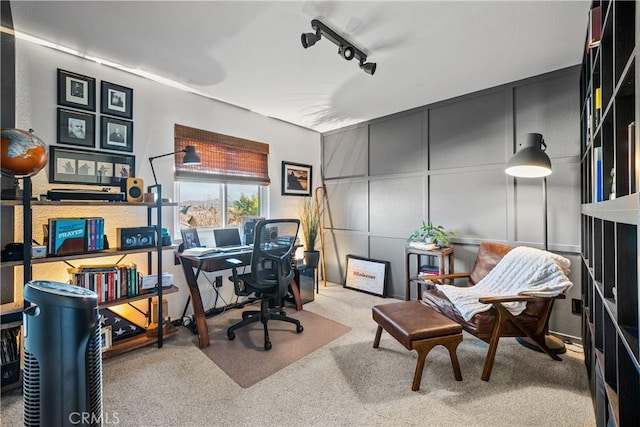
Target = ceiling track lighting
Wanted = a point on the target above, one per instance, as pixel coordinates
(346, 49)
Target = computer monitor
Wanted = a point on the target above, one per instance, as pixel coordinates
(190, 238)
(226, 237)
(248, 228)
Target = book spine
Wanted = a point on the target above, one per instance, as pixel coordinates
(598, 196)
(633, 157)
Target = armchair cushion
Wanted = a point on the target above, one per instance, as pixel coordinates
(522, 271)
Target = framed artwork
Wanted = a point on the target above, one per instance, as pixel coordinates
(76, 128)
(190, 238)
(367, 275)
(75, 166)
(76, 90)
(296, 179)
(116, 134)
(116, 100)
(105, 337)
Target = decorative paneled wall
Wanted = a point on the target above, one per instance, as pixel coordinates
(445, 162)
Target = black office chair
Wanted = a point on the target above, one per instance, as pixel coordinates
(271, 274)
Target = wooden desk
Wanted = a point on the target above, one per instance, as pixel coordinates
(445, 259)
(193, 266)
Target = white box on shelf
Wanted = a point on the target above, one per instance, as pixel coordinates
(150, 281)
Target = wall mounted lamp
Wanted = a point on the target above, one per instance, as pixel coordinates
(346, 49)
(190, 158)
(531, 161)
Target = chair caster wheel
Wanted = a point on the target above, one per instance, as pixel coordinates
(299, 328)
(267, 345)
(231, 336)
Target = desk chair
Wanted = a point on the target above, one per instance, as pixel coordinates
(271, 274)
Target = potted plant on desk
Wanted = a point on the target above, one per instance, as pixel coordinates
(310, 214)
(429, 234)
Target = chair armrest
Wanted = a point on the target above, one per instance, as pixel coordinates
(515, 298)
(443, 276)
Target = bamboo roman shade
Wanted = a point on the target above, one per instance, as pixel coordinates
(223, 158)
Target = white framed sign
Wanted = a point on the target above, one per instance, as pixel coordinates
(367, 275)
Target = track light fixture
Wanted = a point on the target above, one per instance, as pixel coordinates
(346, 49)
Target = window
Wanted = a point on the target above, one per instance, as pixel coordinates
(228, 185)
(210, 204)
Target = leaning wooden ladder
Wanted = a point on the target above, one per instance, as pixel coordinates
(320, 195)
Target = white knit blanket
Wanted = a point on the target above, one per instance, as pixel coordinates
(522, 271)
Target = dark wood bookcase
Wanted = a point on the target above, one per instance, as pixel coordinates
(610, 170)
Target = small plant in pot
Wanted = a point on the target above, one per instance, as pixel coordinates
(310, 215)
(429, 233)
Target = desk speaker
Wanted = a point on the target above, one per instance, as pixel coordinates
(136, 237)
(133, 188)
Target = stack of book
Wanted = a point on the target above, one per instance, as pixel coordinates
(109, 281)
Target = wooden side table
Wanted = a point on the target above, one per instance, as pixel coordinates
(445, 265)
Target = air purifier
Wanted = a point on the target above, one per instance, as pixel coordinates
(62, 356)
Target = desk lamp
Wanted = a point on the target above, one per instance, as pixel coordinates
(531, 161)
(190, 158)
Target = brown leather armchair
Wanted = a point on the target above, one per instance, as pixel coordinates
(497, 322)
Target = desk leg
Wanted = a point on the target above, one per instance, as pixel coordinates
(196, 301)
(296, 294)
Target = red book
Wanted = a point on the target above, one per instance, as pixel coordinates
(595, 26)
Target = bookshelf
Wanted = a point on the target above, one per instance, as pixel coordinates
(610, 171)
(12, 319)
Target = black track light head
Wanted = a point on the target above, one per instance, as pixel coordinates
(309, 39)
(347, 52)
(368, 67)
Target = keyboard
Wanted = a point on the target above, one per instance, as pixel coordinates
(234, 248)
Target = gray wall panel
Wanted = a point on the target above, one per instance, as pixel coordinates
(563, 207)
(345, 153)
(339, 244)
(472, 204)
(562, 320)
(392, 250)
(469, 132)
(549, 107)
(347, 205)
(397, 205)
(396, 145)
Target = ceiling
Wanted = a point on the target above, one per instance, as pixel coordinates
(249, 53)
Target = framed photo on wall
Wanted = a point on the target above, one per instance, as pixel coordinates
(116, 134)
(296, 179)
(75, 166)
(76, 128)
(76, 90)
(116, 100)
(367, 275)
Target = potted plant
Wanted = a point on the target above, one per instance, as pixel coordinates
(310, 214)
(430, 233)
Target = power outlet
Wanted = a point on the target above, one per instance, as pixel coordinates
(576, 306)
(218, 282)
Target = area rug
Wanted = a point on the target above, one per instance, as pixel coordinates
(245, 359)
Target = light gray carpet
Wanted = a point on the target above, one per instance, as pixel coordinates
(344, 383)
(247, 362)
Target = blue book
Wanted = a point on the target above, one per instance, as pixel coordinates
(597, 152)
(68, 235)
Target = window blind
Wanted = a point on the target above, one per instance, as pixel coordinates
(223, 158)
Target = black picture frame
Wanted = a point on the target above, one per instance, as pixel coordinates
(76, 90)
(116, 134)
(75, 166)
(190, 238)
(297, 179)
(116, 100)
(367, 275)
(76, 128)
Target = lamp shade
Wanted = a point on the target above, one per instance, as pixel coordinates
(530, 161)
(190, 156)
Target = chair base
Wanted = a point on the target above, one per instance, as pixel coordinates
(263, 316)
(555, 344)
